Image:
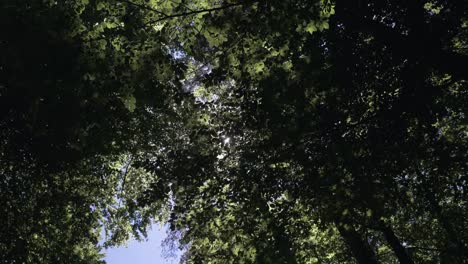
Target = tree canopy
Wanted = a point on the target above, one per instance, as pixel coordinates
(262, 131)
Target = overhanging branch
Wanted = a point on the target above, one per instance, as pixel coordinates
(144, 7)
(165, 16)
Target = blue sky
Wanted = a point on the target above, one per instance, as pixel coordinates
(145, 252)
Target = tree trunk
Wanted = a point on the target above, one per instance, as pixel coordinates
(399, 250)
(359, 247)
(284, 246)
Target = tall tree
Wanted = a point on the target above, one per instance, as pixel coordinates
(81, 88)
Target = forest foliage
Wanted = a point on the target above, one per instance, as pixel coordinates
(261, 131)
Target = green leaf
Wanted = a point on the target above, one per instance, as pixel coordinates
(130, 102)
(311, 27)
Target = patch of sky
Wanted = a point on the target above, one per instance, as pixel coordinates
(151, 251)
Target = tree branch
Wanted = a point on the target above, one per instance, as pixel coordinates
(144, 7)
(193, 12)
